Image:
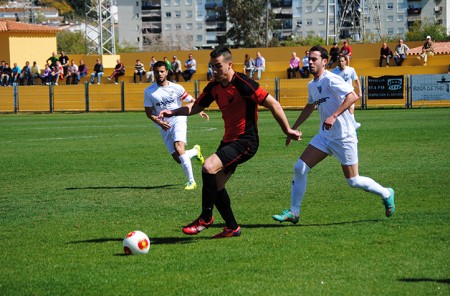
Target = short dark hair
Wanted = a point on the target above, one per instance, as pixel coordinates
(159, 64)
(323, 51)
(221, 51)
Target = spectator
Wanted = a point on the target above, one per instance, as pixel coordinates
(176, 68)
(119, 70)
(305, 68)
(98, 72)
(249, 65)
(53, 59)
(25, 76)
(65, 62)
(15, 75)
(400, 52)
(35, 72)
(46, 75)
(427, 50)
(138, 70)
(150, 71)
(169, 68)
(346, 51)
(82, 71)
(191, 67)
(210, 73)
(385, 54)
(334, 54)
(6, 75)
(260, 66)
(57, 73)
(2, 67)
(294, 65)
(72, 73)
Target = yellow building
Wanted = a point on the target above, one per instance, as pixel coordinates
(21, 42)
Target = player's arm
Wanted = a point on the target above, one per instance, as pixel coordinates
(186, 110)
(358, 85)
(349, 100)
(306, 112)
(149, 112)
(279, 115)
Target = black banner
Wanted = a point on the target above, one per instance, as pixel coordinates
(385, 87)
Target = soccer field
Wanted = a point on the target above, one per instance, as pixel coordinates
(73, 185)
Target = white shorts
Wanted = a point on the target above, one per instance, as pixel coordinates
(177, 133)
(345, 150)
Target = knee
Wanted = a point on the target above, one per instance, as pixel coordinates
(354, 182)
(208, 167)
(301, 168)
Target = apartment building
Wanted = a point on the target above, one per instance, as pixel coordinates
(187, 24)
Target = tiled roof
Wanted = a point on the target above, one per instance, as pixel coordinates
(439, 48)
(12, 26)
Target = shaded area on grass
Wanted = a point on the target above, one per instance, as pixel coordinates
(121, 187)
(417, 280)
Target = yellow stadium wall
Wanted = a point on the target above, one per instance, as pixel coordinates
(30, 47)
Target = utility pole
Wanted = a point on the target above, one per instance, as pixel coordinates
(267, 23)
(100, 38)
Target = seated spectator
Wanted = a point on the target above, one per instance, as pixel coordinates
(46, 75)
(72, 73)
(294, 66)
(6, 75)
(334, 55)
(176, 68)
(25, 75)
(191, 67)
(119, 70)
(305, 65)
(2, 67)
(98, 72)
(260, 66)
(400, 52)
(15, 75)
(35, 72)
(346, 51)
(210, 72)
(249, 65)
(82, 71)
(57, 73)
(427, 50)
(150, 73)
(385, 54)
(138, 71)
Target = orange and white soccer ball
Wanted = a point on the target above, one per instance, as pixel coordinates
(136, 243)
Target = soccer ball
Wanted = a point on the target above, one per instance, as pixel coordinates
(136, 243)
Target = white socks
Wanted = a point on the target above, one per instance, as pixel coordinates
(187, 166)
(369, 185)
(191, 152)
(298, 185)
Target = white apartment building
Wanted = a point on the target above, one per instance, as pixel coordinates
(188, 24)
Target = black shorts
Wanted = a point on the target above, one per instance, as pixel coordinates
(232, 154)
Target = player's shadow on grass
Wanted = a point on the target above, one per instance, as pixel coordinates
(417, 280)
(122, 187)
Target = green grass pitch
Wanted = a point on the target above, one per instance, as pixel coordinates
(73, 185)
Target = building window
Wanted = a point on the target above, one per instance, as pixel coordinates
(321, 21)
(309, 22)
(138, 39)
(188, 2)
(299, 11)
(137, 15)
(176, 2)
(321, 8)
(177, 13)
(167, 2)
(199, 38)
(189, 13)
(137, 28)
(168, 14)
(177, 26)
(168, 27)
(390, 18)
(137, 3)
(308, 9)
(389, 6)
(400, 18)
(189, 26)
(390, 31)
(400, 31)
(322, 33)
(198, 26)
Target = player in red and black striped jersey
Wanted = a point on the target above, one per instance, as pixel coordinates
(238, 98)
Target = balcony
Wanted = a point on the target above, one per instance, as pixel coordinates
(280, 3)
(149, 5)
(414, 11)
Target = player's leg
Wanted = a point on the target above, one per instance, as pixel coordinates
(310, 157)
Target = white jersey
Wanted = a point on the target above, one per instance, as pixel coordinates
(168, 97)
(348, 74)
(327, 93)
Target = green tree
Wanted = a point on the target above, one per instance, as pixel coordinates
(248, 22)
(61, 5)
(71, 42)
(420, 30)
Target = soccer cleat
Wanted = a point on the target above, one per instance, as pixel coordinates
(109, 78)
(197, 226)
(287, 216)
(190, 185)
(389, 203)
(227, 232)
(199, 154)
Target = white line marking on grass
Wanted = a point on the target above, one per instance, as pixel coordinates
(65, 138)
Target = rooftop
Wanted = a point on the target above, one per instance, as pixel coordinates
(12, 26)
